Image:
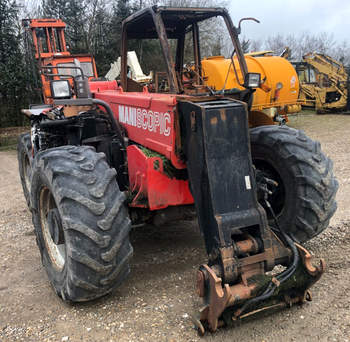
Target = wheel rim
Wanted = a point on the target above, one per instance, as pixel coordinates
(278, 197)
(26, 171)
(52, 230)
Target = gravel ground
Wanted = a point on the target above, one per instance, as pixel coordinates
(155, 301)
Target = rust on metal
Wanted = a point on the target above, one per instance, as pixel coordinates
(241, 292)
(223, 115)
(200, 286)
(246, 246)
(196, 52)
(198, 324)
(249, 278)
(214, 120)
(193, 121)
(166, 23)
(295, 300)
(219, 299)
(229, 266)
(70, 111)
(310, 268)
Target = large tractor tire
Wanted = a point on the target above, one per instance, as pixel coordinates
(25, 161)
(81, 222)
(304, 200)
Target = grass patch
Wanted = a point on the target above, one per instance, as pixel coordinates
(8, 143)
(8, 148)
(9, 137)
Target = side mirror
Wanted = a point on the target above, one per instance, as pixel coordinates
(252, 80)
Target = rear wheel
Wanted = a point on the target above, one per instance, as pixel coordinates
(25, 160)
(304, 199)
(81, 222)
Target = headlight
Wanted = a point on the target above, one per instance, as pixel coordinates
(61, 89)
(252, 80)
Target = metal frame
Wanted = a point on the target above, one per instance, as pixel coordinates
(173, 70)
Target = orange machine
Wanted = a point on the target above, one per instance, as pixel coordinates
(55, 61)
(278, 91)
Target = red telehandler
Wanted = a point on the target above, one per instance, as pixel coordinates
(103, 155)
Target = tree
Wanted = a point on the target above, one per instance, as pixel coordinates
(245, 43)
(12, 75)
(99, 35)
(72, 12)
(304, 43)
(342, 53)
(276, 43)
(109, 28)
(54, 8)
(255, 45)
(75, 17)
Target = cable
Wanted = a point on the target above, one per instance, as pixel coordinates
(282, 277)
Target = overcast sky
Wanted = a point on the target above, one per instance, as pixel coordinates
(293, 16)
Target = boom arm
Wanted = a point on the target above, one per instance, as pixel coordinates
(330, 68)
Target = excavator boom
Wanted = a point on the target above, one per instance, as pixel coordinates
(324, 82)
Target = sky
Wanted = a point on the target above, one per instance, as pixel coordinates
(285, 16)
(292, 16)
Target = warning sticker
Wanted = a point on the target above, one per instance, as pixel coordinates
(247, 182)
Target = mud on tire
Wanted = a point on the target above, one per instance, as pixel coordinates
(304, 201)
(81, 222)
(25, 161)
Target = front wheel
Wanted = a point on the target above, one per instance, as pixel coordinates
(81, 222)
(304, 199)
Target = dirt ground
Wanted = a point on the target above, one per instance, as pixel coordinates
(155, 301)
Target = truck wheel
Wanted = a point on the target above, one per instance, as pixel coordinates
(81, 222)
(25, 160)
(304, 200)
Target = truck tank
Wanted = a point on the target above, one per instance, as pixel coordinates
(279, 89)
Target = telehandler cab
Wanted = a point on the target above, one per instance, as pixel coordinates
(103, 155)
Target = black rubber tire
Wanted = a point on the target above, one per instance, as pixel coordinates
(306, 200)
(94, 218)
(25, 161)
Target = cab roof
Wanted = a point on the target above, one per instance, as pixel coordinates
(140, 25)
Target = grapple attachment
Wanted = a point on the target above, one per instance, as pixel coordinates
(225, 304)
(239, 278)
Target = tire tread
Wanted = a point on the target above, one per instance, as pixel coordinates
(88, 199)
(313, 171)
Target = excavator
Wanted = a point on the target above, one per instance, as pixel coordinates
(324, 83)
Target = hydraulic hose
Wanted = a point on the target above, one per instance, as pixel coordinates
(114, 124)
(282, 277)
